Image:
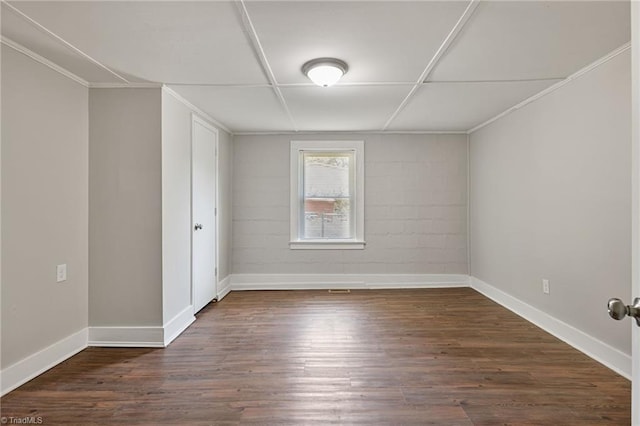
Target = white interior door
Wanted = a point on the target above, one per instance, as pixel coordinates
(203, 209)
(635, 253)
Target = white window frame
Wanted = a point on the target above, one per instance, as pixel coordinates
(297, 188)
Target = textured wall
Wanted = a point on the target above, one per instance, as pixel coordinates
(415, 207)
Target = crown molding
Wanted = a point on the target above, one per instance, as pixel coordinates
(133, 85)
(44, 61)
(592, 66)
(68, 45)
(354, 132)
(195, 109)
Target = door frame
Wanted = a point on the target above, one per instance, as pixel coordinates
(635, 226)
(197, 119)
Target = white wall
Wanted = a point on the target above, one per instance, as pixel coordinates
(44, 206)
(225, 202)
(550, 198)
(125, 207)
(176, 206)
(415, 212)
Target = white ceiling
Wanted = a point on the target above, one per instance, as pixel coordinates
(413, 66)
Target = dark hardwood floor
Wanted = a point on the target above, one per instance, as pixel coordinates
(435, 356)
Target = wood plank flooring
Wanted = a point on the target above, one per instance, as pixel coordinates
(434, 356)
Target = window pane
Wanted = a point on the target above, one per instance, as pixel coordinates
(327, 203)
(327, 218)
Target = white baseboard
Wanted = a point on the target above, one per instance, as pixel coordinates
(391, 281)
(224, 287)
(241, 282)
(127, 337)
(603, 353)
(158, 337)
(142, 337)
(41, 361)
(178, 324)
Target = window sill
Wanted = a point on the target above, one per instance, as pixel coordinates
(326, 245)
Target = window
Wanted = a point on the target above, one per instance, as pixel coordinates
(327, 195)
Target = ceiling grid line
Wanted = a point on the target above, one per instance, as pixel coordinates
(285, 85)
(63, 41)
(262, 57)
(473, 64)
(513, 80)
(457, 28)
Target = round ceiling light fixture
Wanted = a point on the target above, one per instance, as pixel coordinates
(325, 72)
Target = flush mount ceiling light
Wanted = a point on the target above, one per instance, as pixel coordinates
(325, 72)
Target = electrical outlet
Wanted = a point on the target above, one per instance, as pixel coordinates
(545, 287)
(61, 273)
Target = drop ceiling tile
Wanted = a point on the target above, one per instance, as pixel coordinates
(382, 41)
(461, 106)
(173, 42)
(17, 29)
(343, 108)
(241, 109)
(534, 39)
